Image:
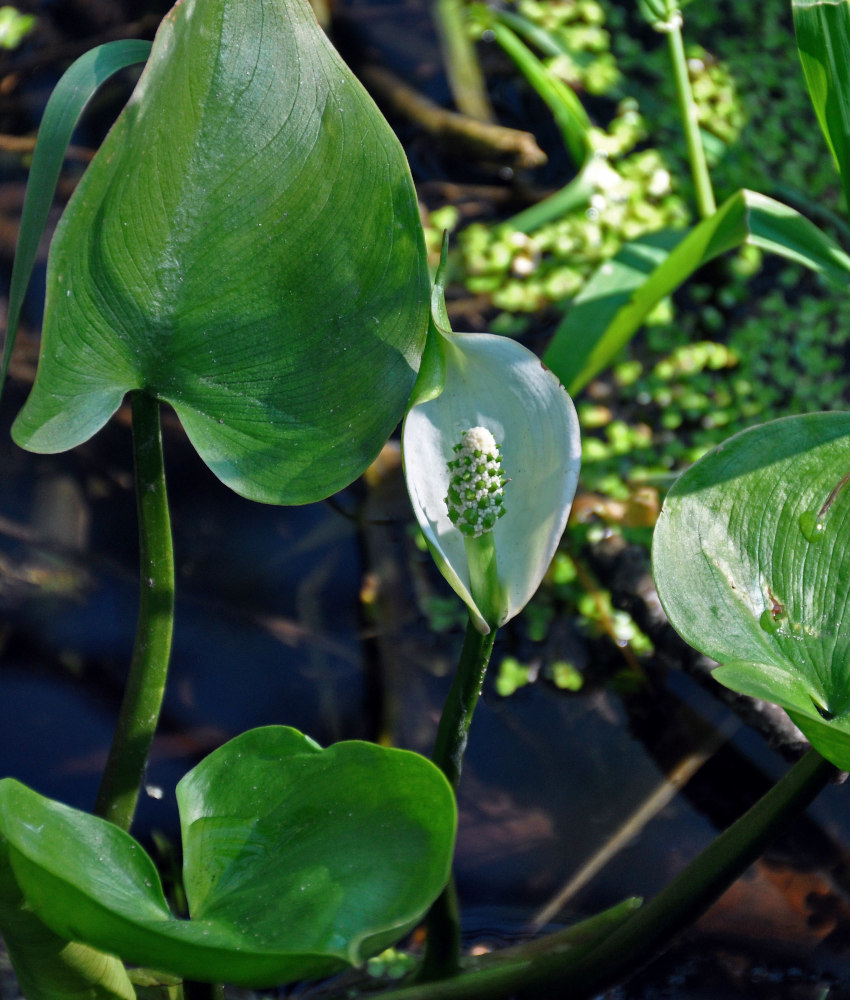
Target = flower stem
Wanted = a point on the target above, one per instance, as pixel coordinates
(443, 937)
(453, 731)
(690, 121)
(128, 755)
(442, 943)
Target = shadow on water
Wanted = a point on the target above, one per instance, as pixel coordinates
(267, 617)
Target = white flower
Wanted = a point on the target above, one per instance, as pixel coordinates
(477, 487)
(493, 390)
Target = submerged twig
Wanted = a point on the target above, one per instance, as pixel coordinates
(481, 139)
(652, 805)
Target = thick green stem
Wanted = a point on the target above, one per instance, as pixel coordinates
(704, 880)
(442, 944)
(443, 937)
(128, 755)
(580, 972)
(688, 110)
(453, 731)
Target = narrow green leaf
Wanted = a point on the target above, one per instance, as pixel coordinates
(567, 110)
(589, 334)
(72, 93)
(246, 246)
(751, 557)
(822, 28)
(614, 304)
(298, 861)
(574, 194)
(549, 43)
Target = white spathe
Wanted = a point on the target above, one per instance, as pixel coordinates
(495, 383)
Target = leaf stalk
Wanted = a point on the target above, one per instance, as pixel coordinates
(140, 709)
(453, 731)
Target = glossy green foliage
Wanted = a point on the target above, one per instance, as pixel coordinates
(751, 557)
(47, 966)
(570, 116)
(616, 301)
(823, 40)
(246, 246)
(297, 861)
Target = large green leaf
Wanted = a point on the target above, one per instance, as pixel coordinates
(751, 557)
(618, 298)
(245, 246)
(297, 861)
(823, 39)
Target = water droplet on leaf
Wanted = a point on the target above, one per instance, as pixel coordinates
(812, 526)
(769, 622)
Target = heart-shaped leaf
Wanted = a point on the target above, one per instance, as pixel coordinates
(751, 557)
(297, 861)
(245, 246)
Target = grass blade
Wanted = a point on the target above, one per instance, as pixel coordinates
(67, 103)
(615, 302)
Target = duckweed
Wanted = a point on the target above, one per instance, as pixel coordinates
(755, 338)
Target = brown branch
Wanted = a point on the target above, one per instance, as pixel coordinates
(481, 139)
(24, 145)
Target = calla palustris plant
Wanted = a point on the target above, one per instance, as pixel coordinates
(297, 861)
(246, 247)
(488, 400)
(751, 556)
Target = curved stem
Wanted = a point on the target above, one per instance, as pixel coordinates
(688, 109)
(128, 755)
(584, 971)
